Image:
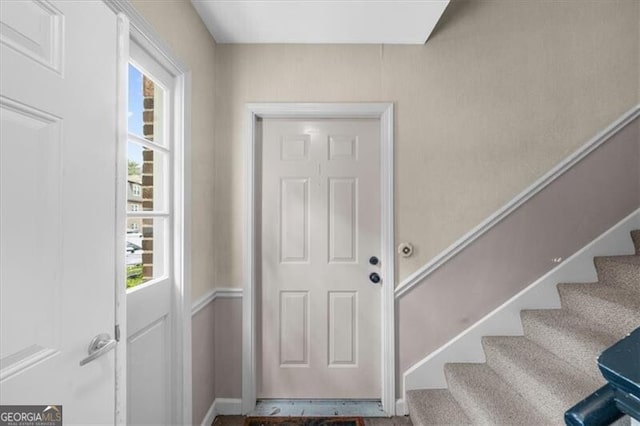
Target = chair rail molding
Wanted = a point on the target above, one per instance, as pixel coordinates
(565, 165)
(216, 293)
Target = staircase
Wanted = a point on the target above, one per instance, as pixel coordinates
(533, 379)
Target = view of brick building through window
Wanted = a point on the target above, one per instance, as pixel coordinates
(147, 177)
(146, 154)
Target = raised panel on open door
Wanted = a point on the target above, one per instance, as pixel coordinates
(30, 191)
(34, 29)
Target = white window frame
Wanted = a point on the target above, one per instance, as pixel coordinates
(133, 27)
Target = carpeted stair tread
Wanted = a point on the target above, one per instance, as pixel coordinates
(635, 237)
(547, 382)
(572, 338)
(486, 398)
(615, 309)
(622, 271)
(434, 407)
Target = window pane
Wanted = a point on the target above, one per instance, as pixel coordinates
(146, 179)
(146, 107)
(146, 249)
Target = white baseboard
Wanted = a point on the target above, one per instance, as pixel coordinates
(228, 406)
(210, 416)
(505, 320)
(222, 407)
(401, 408)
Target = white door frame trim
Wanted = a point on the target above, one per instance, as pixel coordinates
(255, 111)
(142, 33)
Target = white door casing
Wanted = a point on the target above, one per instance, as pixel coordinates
(58, 149)
(320, 226)
(252, 262)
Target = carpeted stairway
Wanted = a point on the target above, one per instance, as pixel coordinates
(533, 379)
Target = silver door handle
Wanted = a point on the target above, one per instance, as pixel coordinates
(99, 345)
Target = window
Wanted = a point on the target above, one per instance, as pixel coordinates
(148, 156)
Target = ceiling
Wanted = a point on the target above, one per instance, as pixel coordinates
(321, 21)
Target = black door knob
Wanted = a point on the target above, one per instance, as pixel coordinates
(373, 260)
(375, 278)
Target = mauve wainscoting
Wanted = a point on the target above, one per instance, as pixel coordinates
(577, 207)
(217, 352)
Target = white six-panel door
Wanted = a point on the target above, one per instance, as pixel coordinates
(57, 254)
(320, 311)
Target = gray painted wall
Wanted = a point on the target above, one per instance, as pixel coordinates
(217, 354)
(203, 361)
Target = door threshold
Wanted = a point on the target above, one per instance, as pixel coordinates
(318, 408)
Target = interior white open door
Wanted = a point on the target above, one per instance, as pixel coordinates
(58, 239)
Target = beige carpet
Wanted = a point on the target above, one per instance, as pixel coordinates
(373, 421)
(533, 379)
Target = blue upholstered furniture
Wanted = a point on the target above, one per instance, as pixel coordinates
(620, 365)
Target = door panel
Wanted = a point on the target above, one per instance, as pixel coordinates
(343, 220)
(320, 224)
(343, 328)
(294, 220)
(57, 191)
(294, 328)
(34, 29)
(148, 379)
(30, 134)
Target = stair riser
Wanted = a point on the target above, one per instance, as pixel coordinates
(612, 317)
(618, 274)
(635, 237)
